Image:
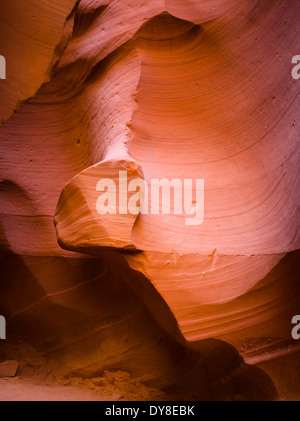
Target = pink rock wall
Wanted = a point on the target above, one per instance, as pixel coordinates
(164, 89)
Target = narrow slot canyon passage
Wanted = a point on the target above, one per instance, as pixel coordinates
(145, 306)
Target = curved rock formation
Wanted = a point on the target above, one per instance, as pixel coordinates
(33, 36)
(186, 90)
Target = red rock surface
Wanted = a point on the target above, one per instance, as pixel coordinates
(161, 89)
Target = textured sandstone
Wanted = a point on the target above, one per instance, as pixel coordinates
(165, 89)
(33, 35)
(8, 368)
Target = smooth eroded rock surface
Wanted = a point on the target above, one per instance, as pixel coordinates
(164, 89)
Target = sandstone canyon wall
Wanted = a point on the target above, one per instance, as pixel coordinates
(162, 89)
